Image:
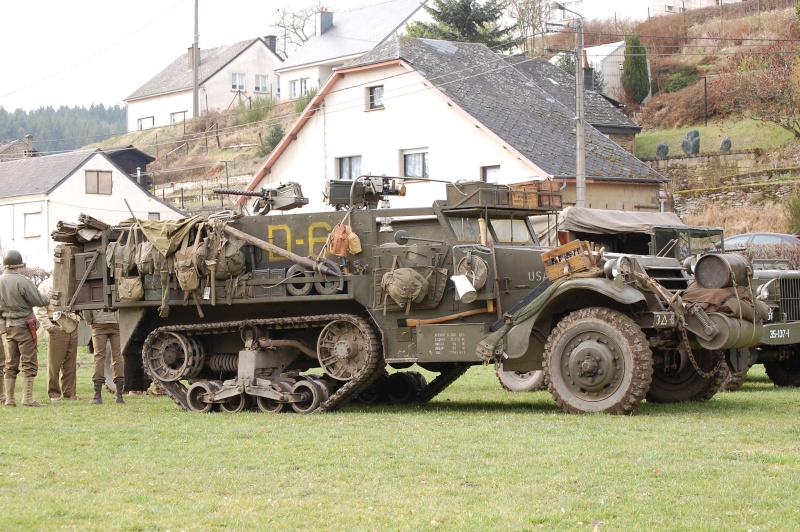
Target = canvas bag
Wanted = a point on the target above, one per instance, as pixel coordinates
(226, 250)
(128, 288)
(148, 259)
(186, 262)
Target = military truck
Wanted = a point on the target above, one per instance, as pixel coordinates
(308, 311)
(779, 349)
(641, 233)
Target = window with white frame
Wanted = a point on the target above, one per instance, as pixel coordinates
(375, 95)
(490, 174)
(177, 118)
(293, 89)
(98, 182)
(33, 224)
(262, 84)
(237, 81)
(349, 167)
(303, 86)
(415, 163)
(145, 123)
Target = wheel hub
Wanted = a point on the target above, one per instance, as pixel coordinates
(592, 364)
(344, 349)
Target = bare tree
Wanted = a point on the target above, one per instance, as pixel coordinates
(294, 27)
(531, 18)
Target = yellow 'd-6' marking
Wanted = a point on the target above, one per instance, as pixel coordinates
(317, 236)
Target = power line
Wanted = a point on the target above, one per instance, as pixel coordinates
(92, 56)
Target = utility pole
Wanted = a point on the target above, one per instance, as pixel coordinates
(580, 140)
(196, 63)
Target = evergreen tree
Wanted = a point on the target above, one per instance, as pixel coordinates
(65, 128)
(466, 21)
(635, 76)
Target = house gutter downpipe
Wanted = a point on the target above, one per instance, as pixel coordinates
(580, 141)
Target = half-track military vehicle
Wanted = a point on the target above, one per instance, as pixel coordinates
(308, 311)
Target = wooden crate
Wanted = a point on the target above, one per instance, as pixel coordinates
(549, 194)
(524, 196)
(572, 257)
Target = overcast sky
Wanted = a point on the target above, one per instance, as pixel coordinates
(80, 52)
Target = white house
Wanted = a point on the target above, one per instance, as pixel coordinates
(608, 60)
(227, 75)
(425, 110)
(339, 38)
(38, 192)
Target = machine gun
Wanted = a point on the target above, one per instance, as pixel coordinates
(285, 197)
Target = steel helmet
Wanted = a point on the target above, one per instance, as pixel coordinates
(12, 259)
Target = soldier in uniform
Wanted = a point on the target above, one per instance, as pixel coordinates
(105, 329)
(62, 348)
(18, 296)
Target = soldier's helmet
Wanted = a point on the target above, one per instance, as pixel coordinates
(12, 259)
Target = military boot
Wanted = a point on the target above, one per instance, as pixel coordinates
(98, 397)
(2, 392)
(10, 385)
(119, 384)
(27, 392)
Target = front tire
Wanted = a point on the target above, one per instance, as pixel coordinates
(597, 360)
(784, 372)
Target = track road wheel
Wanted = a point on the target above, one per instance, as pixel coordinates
(597, 360)
(312, 396)
(676, 379)
(271, 406)
(236, 404)
(517, 381)
(784, 372)
(402, 387)
(194, 396)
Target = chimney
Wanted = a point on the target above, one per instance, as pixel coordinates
(272, 41)
(324, 21)
(29, 141)
(588, 73)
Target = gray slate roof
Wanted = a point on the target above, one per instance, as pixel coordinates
(561, 86)
(354, 32)
(38, 175)
(177, 76)
(512, 106)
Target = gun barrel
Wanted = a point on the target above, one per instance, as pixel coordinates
(254, 193)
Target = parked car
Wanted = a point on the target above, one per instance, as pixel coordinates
(750, 239)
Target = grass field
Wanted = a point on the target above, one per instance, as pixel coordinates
(475, 458)
(744, 135)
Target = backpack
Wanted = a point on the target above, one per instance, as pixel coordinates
(226, 250)
(186, 262)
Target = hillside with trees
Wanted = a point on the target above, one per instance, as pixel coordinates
(62, 129)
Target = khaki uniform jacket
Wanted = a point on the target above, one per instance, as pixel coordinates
(18, 296)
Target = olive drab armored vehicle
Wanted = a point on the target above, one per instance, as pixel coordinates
(308, 311)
